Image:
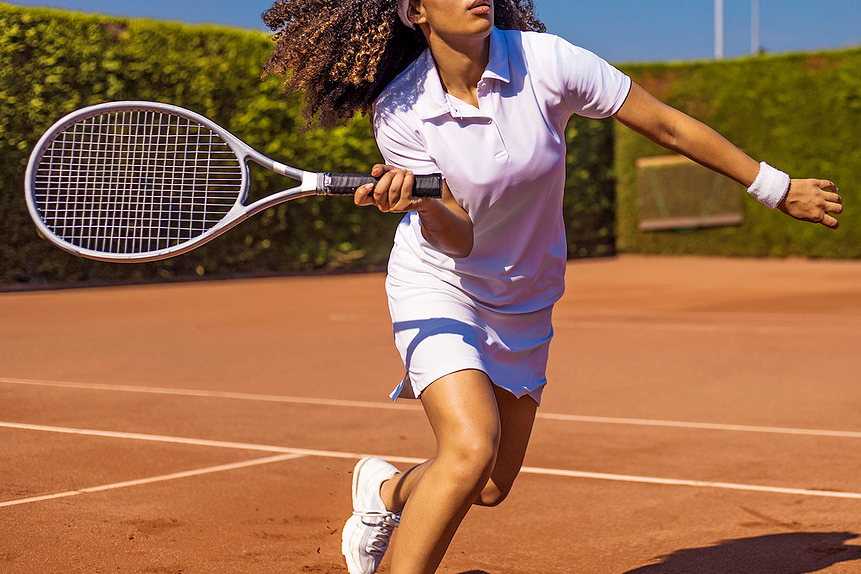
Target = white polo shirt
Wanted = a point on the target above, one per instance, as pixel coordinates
(504, 162)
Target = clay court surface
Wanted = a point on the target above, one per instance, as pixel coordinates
(703, 417)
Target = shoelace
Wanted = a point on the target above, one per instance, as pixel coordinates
(381, 532)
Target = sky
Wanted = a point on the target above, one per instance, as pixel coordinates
(617, 30)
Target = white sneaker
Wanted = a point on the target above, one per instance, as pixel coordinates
(367, 533)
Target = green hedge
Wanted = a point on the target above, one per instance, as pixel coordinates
(799, 113)
(590, 189)
(53, 62)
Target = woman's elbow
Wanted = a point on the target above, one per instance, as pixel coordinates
(458, 246)
(463, 249)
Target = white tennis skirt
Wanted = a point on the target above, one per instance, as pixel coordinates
(440, 331)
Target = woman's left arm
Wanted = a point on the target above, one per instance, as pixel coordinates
(811, 200)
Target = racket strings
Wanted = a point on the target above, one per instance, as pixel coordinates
(136, 182)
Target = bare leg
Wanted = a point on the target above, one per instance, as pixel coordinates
(461, 408)
(516, 416)
(480, 451)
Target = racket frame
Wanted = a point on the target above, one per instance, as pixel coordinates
(311, 183)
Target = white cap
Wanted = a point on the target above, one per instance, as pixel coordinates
(403, 12)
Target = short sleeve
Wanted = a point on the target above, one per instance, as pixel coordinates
(399, 145)
(589, 86)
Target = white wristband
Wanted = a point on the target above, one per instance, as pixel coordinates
(770, 187)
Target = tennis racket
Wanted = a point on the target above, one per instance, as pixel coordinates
(142, 181)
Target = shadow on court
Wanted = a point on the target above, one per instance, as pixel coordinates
(792, 553)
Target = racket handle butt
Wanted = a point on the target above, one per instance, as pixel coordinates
(347, 183)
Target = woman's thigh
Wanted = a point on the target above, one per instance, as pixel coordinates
(516, 417)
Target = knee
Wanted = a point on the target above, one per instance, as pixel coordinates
(493, 493)
(471, 459)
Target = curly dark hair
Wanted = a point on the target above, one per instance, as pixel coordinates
(343, 53)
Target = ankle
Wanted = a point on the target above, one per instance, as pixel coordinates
(387, 493)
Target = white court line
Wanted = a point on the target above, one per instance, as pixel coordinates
(415, 407)
(295, 452)
(215, 394)
(692, 483)
(201, 442)
(153, 479)
(702, 426)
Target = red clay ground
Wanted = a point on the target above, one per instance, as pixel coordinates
(737, 377)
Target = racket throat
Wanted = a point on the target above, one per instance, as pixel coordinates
(312, 181)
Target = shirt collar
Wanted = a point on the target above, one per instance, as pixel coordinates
(434, 102)
(497, 67)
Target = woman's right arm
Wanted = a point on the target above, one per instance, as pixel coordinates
(445, 224)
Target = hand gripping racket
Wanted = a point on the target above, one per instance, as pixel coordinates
(142, 181)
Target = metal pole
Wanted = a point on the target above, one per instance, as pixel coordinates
(755, 45)
(719, 29)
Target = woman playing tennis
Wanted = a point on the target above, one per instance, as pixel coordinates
(474, 90)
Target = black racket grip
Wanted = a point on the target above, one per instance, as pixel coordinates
(346, 184)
